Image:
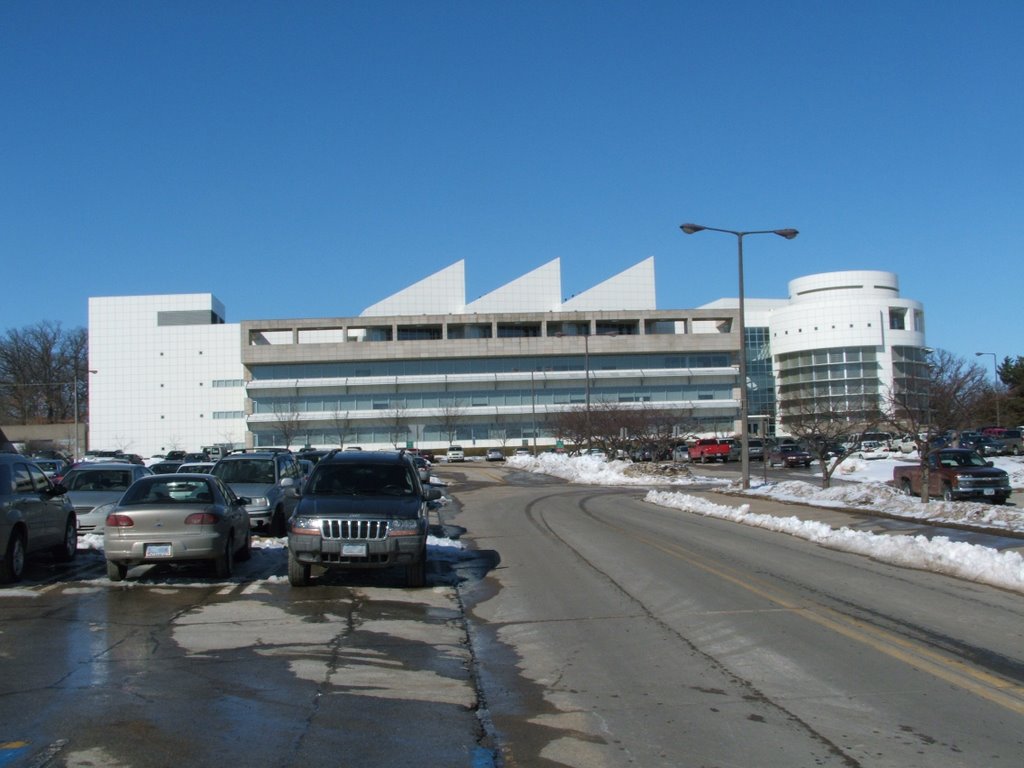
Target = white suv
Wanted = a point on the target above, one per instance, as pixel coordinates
(455, 453)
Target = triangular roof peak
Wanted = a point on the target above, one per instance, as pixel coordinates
(539, 290)
(442, 293)
(631, 289)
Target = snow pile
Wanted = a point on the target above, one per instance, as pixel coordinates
(864, 487)
(593, 470)
(939, 554)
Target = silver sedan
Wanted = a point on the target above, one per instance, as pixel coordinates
(177, 518)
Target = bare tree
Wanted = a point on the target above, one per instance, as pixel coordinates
(288, 422)
(449, 418)
(820, 425)
(499, 431)
(39, 368)
(956, 392)
(571, 425)
(341, 425)
(398, 429)
(946, 395)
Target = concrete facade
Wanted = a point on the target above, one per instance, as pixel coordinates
(425, 367)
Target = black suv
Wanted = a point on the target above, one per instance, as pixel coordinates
(361, 510)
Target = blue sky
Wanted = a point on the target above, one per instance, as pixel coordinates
(308, 159)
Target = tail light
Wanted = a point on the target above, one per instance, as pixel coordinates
(201, 518)
(119, 521)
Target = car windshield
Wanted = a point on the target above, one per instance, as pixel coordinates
(259, 471)
(360, 480)
(169, 490)
(98, 480)
(962, 459)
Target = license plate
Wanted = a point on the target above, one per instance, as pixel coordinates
(990, 491)
(353, 550)
(158, 550)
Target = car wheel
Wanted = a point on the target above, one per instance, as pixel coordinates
(13, 564)
(245, 553)
(65, 551)
(947, 493)
(116, 571)
(225, 564)
(298, 573)
(907, 488)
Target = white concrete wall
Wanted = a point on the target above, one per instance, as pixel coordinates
(153, 387)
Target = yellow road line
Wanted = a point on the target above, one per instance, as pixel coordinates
(958, 672)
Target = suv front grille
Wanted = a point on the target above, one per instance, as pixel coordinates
(354, 529)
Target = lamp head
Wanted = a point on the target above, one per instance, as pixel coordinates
(691, 228)
(789, 234)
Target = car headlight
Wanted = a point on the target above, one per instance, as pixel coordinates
(404, 527)
(258, 501)
(305, 526)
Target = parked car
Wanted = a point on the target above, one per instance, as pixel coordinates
(105, 456)
(91, 486)
(423, 468)
(904, 444)
(455, 454)
(871, 449)
(789, 455)
(52, 468)
(734, 447)
(709, 449)
(202, 467)
(305, 468)
(361, 511)
(1010, 441)
(755, 448)
(522, 452)
(270, 480)
(988, 446)
(177, 518)
(35, 516)
(954, 474)
(494, 454)
(310, 454)
(166, 467)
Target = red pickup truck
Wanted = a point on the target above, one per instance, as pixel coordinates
(953, 474)
(707, 450)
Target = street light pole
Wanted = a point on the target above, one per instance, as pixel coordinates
(789, 234)
(77, 452)
(995, 383)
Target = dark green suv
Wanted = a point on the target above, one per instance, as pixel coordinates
(361, 510)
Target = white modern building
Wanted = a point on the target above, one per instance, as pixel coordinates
(165, 373)
(425, 367)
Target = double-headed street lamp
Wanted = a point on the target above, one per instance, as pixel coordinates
(789, 234)
(995, 382)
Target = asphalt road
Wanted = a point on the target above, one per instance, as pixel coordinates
(580, 627)
(611, 632)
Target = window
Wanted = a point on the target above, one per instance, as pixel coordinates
(897, 318)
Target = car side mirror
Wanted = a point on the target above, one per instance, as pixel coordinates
(432, 494)
(242, 501)
(57, 489)
(288, 482)
(989, 464)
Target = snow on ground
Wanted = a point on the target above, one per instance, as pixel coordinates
(868, 491)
